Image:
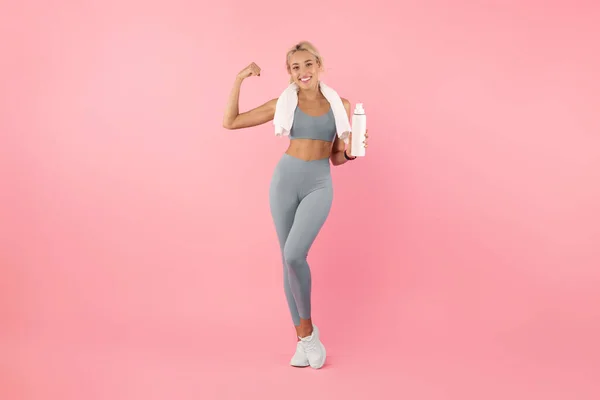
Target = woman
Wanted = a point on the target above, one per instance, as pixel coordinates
(301, 189)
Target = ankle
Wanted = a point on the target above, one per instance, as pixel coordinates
(305, 332)
(305, 328)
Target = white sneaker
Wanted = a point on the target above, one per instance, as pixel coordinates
(313, 349)
(299, 359)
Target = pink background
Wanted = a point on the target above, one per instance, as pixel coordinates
(138, 257)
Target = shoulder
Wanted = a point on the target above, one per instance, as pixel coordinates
(346, 104)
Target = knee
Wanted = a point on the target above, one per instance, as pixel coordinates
(294, 259)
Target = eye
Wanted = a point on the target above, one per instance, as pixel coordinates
(308, 64)
(295, 68)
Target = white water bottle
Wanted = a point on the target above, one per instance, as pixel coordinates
(359, 129)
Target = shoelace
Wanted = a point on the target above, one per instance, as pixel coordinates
(309, 343)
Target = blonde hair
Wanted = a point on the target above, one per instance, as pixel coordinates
(303, 46)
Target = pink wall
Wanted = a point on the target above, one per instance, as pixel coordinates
(131, 219)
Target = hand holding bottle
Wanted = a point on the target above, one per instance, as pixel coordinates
(359, 135)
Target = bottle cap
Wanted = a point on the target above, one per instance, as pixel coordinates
(359, 109)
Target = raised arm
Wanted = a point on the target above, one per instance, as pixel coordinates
(256, 116)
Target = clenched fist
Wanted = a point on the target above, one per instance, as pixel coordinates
(250, 70)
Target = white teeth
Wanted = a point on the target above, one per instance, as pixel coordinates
(304, 79)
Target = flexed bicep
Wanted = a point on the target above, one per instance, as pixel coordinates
(257, 116)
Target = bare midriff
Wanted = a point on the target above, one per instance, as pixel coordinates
(309, 149)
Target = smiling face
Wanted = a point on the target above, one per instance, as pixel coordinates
(304, 69)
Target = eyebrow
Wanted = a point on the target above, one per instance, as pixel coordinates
(310, 59)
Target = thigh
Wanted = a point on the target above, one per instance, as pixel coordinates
(311, 214)
(283, 203)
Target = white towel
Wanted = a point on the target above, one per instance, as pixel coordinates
(288, 101)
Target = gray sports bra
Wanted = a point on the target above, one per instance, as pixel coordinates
(308, 127)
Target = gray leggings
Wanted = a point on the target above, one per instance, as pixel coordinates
(300, 197)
